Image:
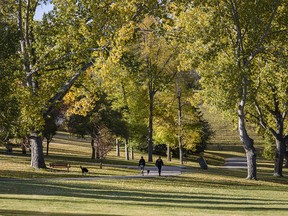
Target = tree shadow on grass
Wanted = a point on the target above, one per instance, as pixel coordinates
(121, 196)
(11, 212)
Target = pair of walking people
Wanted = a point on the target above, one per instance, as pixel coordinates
(159, 163)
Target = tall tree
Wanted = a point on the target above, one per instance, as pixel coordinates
(178, 122)
(153, 63)
(58, 49)
(233, 35)
(269, 109)
(8, 56)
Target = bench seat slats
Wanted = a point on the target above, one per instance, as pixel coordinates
(59, 165)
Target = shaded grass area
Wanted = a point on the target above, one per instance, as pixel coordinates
(211, 192)
(215, 191)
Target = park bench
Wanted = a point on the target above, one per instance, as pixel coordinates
(59, 165)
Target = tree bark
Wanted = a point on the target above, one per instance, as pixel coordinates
(150, 129)
(126, 150)
(248, 143)
(47, 146)
(279, 157)
(23, 148)
(97, 153)
(286, 158)
(132, 153)
(37, 157)
(24, 144)
(168, 153)
(251, 163)
(179, 125)
(93, 149)
(117, 148)
(101, 163)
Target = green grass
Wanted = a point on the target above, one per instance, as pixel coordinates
(216, 191)
(212, 192)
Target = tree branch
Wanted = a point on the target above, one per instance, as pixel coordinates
(260, 118)
(66, 87)
(265, 33)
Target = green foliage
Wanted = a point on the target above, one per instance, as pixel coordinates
(9, 106)
(194, 130)
(269, 151)
(234, 41)
(101, 114)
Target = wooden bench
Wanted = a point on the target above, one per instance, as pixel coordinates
(59, 165)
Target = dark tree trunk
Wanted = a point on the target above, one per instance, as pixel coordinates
(168, 153)
(150, 129)
(97, 151)
(47, 146)
(37, 157)
(23, 148)
(286, 158)
(101, 163)
(126, 150)
(93, 149)
(279, 157)
(132, 153)
(117, 148)
(179, 125)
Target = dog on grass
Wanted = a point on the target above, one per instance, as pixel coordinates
(84, 170)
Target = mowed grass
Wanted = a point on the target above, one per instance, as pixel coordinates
(212, 192)
(216, 191)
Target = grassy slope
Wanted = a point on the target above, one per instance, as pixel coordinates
(226, 142)
(215, 191)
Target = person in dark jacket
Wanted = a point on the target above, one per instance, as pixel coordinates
(159, 163)
(142, 165)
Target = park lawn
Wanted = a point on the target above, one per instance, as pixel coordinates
(215, 191)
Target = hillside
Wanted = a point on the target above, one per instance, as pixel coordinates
(225, 141)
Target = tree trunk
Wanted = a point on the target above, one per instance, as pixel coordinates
(251, 163)
(47, 146)
(93, 149)
(126, 150)
(286, 158)
(150, 129)
(168, 153)
(132, 153)
(117, 148)
(23, 146)
(248, 143)
(101, 163)
(279, 157)
(37, 157)
(97, 151)
(179, 125)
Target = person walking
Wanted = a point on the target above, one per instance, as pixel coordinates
(142, 165)
(159, 163)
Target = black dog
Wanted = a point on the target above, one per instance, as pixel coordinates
(84, 170)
